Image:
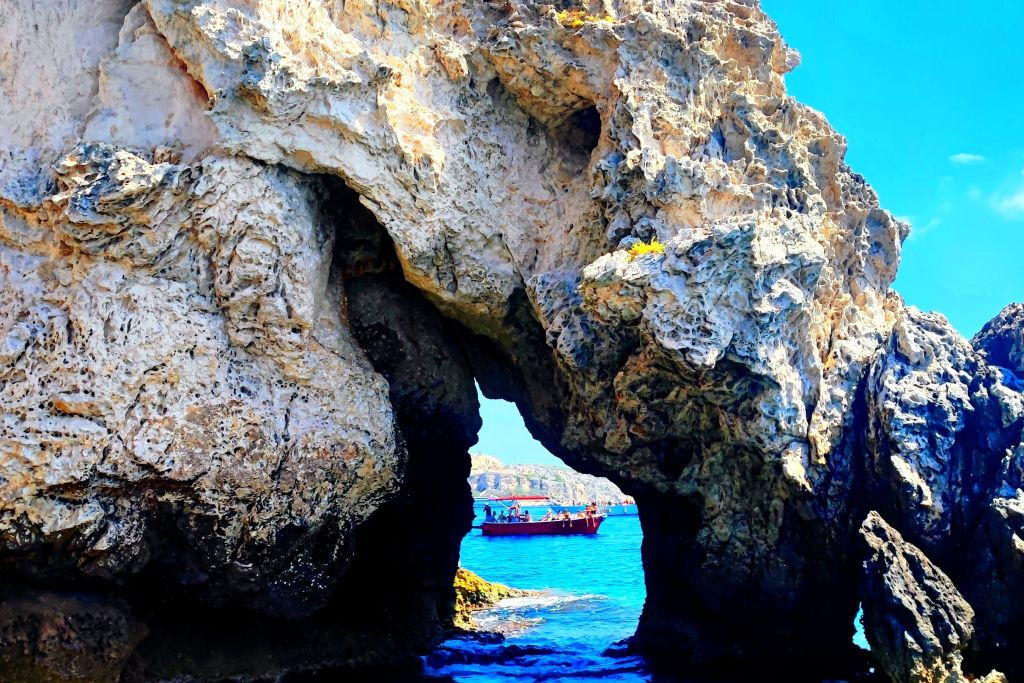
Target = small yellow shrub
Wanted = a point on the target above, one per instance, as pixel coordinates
(577, 18)
(639, 249)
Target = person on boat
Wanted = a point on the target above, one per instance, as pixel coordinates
(489, 514)
(502, 518)
(527, 517)
(549, 515)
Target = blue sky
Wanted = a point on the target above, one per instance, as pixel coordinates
(929, 95)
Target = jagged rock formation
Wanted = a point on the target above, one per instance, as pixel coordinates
(914, 617)
(220, 373)
(943, 450)
(489, 476)
(1002, 342)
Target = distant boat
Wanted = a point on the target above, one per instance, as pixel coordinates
(577, 526)
(625, 508)
(620, 509)
(556, 527)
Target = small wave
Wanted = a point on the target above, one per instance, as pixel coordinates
(545, 600)
(515, 616)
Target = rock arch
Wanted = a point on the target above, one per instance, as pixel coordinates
(226, 337)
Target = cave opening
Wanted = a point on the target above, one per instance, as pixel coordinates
(576, 136)
(586, 589)
(474, 428)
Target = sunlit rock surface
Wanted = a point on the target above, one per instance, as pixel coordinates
(178, 383)
(473, 593)
(197, 376)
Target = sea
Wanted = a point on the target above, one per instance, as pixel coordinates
(590, 599)
(591, 594)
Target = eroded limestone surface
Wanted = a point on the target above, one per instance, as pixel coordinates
(204, 379)
(177, 382)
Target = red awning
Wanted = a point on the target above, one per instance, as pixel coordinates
(522, 498)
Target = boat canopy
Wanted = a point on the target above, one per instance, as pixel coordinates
(520, 498)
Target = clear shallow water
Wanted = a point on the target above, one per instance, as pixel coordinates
(593, 591)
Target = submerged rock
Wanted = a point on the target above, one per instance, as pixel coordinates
(61, 637)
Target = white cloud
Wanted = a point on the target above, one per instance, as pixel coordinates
(919, 231)
(1012, 204)
(964, 158)
(1010, 201)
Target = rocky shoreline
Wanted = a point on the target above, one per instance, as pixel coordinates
(474, 593)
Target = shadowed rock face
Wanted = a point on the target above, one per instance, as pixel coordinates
(914, 617)
(408, 551)
(220, 374)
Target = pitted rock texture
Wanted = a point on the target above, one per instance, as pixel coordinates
(194, 377)
(177, 382)
(513, 156)
(914, 617)
(52, 637)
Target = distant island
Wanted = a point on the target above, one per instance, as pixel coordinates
(490, 477)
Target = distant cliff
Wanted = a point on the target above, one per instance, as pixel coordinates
(491, 477)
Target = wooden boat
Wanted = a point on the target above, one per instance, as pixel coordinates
(575, 526)
(557, 527)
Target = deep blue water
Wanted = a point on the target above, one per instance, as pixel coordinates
(592, 593)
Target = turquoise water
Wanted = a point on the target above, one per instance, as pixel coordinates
(592, 593)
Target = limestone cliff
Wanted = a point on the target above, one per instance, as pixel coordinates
(253, 255)
(489, 477)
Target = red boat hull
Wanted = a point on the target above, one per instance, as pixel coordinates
(558, 527)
